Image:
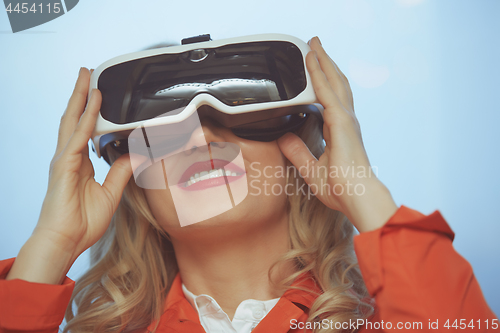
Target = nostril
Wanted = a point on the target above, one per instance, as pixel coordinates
(218, 144)
(191, 150)
(200, 149)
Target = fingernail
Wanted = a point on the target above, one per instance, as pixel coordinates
(80, 71)
(309, 42)
(319, 41)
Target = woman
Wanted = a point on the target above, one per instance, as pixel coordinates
(274, 263)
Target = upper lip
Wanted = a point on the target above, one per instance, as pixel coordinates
(198, 167)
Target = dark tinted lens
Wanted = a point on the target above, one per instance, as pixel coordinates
(265, 125)
(271, 129)
(235, 74)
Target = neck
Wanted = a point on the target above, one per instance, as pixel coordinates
(232, 264)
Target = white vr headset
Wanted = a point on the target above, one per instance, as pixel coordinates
(257, 86)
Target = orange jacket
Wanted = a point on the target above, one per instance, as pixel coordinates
(409, 266)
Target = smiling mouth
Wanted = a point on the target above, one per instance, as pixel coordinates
(214, 173)
(201, 175)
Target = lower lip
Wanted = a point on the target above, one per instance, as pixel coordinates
(208, 183)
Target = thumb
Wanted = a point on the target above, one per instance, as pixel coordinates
(117, 178)
(296, 151)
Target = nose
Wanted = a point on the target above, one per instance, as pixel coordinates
(208, 132)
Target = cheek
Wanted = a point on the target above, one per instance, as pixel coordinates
(162, 207)
(266, 173)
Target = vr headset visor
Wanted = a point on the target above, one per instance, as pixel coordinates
(256, 85)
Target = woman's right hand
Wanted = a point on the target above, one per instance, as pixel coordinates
(76, 210)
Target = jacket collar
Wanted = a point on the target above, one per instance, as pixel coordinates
(180, 316)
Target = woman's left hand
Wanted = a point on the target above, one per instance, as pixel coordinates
(342, 178)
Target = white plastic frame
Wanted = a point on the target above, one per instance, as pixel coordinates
(103, 126)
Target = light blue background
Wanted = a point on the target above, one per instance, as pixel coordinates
(424, 73)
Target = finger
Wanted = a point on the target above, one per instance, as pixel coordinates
(296, 151)
(335, 77)
(346, 83)
(79, 140)
(344, 78)
(117, 178)
(74, 110)
(317, 42)
(322, 88)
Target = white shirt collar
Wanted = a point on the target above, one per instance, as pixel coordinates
(213, 319)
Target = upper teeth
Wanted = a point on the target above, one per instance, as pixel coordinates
(209, 174)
